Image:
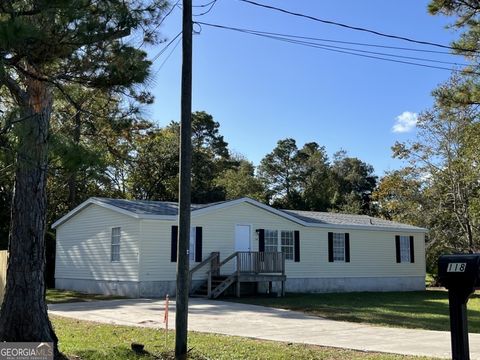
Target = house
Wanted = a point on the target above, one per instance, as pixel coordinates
(128, 247)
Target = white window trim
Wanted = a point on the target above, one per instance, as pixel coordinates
(290, 246)
(117, 245)
(279, 242)
(405, 249)
(344, 248)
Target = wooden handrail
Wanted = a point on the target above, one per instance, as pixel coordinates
(227, 259)
(203, 263)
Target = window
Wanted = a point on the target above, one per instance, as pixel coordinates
(338, 247)
(287, 244)
(280, 241)
(271, 240)
(404, 249)
(115, 245)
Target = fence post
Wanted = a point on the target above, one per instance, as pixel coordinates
(3, 273)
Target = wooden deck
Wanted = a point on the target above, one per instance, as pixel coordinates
(249, 267)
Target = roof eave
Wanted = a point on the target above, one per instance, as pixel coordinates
(87, 203)
(251, 202)
(370, 228)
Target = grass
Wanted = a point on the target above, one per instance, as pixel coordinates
(87, 340)
(418, 310)
(56, 296)
(430, 280)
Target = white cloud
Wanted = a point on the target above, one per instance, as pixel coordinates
(405, 122)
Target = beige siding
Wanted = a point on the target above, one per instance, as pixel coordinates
(155, 240)
(84, 246)
(372, 252)
(3, 273)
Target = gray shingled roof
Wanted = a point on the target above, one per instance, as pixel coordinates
(345, 219)
(144, 207)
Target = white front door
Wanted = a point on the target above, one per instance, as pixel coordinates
(242, 237)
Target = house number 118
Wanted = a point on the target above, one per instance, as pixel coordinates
(456, 267)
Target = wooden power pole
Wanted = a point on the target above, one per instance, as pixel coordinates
(184, 196)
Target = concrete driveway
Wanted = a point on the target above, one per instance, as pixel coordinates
(269, 324)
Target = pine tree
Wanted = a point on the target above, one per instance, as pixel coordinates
(46, 46)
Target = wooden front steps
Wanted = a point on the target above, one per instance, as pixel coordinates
(202, 290)
(250, 267)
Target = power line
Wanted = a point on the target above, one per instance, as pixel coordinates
(160, 53)
(168, 56)
(378, 33)
(167, 14)
(204, 5)
(348, 51)
(339, 41)
(294, 39)
(161, 21)
(306, 43)
(211, 3)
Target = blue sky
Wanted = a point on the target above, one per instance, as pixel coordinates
(261, 90)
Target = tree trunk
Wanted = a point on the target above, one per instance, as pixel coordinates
(23, 316)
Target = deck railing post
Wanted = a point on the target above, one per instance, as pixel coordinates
(214, 264)
(209, 285)
(238, 274)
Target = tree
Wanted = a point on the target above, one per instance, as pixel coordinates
(153, 172)
(45, 46)
(316, 177)
(442, 156)
(467, 91)
(354, 183)
(280, 172)
(154, 169)
(400, 197)
(240, 181)
(89, 149)
(210, 156)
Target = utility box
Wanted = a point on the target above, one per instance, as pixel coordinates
(460, 274)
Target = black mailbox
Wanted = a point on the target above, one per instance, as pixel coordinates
(460, 274)
(459, 271)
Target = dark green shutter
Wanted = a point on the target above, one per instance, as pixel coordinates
(261, 240)
(347, 247)
(412, 252)
(297, 245)
(330, 247)
(198, 244)
(173, 248)
(397, 248)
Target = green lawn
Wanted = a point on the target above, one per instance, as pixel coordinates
(55, 296)
(87, 340)
(421, 309)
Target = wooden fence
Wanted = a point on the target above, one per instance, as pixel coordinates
(3, 272)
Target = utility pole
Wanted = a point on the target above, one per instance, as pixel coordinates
(184, 196)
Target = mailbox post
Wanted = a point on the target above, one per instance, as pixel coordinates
(460, 274)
